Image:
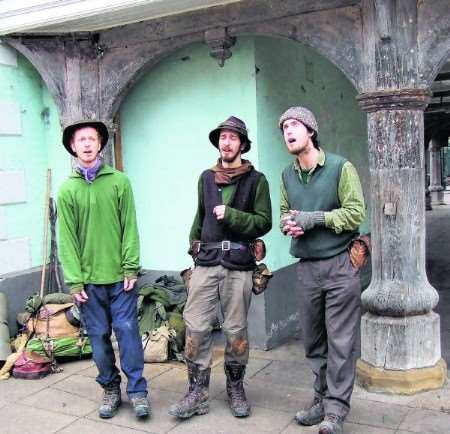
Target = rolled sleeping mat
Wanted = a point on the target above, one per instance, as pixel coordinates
(5, 346)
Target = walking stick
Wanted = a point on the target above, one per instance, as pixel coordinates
(45, 245)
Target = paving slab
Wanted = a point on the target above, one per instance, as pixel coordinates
(176, 381)
(87, 426)
(276, 397)
(376, 414)
(160, 422)
(79, 385)
(287, 373)
(253, 367)
(152, 370)
(385, 398)
(349, 428)
(76, 366)
(290, 351)
(17, 418)
(438, 400)
(61, 402)
(16, 389)
(220, 421)
(426, 421)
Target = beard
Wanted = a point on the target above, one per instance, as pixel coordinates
(229, 158)
(297, 148)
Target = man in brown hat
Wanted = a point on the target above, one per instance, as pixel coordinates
(233, 210)
(321, 207)
(99, 251)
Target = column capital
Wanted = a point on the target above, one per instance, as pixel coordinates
(391, 99)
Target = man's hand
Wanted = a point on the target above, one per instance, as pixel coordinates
(128, 284)
(290, 227)
(219, 212)
(80, 297)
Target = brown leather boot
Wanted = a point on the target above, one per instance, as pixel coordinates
(196, 400)
(239, 405)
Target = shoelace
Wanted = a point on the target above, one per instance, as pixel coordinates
(333, 418)
(109, 396)
(140, 401)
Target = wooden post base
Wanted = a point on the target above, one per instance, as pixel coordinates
(407, 382)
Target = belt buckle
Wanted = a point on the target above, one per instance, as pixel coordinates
(226, 245)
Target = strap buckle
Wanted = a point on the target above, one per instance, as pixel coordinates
(226, 245)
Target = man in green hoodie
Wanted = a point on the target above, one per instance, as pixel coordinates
(99, 251)
(233, 210)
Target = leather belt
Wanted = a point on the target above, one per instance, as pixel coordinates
(225, 246)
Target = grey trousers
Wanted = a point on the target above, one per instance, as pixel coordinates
(330, 300)
(211, 287)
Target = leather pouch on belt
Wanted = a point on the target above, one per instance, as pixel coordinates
(261, 277)
(258, 249)
(359, 251)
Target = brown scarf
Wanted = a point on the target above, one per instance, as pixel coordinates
(225, 176)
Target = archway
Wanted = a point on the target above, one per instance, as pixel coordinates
(165, 121)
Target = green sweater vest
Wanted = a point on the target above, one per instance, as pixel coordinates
(320, 194)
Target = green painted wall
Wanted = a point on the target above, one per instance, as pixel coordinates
(167, 116)
(291, 74)
(30, 151)
(165, 121)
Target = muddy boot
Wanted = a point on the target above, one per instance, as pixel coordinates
(312, 414)
(111, 400)
(196, 400)
(235, 389)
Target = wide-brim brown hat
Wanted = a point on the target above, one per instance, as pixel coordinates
(234, 124)
(70, 130)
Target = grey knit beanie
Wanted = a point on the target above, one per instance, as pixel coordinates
(303, 115)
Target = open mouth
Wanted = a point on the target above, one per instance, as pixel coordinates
(291, 140)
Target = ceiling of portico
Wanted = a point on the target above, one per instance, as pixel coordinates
(67, 16)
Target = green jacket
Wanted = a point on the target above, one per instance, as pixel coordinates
(98, 236)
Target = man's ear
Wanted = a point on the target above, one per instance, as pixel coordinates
(73, 147)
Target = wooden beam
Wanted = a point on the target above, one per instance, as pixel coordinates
(118, 157)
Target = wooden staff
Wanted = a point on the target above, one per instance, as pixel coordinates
(45, 245)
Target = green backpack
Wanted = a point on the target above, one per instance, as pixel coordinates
(162, 302)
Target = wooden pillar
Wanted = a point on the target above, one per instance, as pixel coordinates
(436, 189)
(400, 333)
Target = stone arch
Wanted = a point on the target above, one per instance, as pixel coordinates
(433, 39)
(40, 63)
(313, 30)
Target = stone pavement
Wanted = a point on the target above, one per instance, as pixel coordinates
(278, 384)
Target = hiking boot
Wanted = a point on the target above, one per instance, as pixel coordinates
(141, 406)
(235, 389)
(196, 400)
(312, 414)
(332, 424)
(111, 401)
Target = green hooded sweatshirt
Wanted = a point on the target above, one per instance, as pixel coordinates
(98, 236)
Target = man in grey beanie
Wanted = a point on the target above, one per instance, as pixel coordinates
(321, 207)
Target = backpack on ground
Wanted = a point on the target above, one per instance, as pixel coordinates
(31, 366)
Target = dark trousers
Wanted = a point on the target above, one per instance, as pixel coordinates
(330, 300)
(109, 308)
